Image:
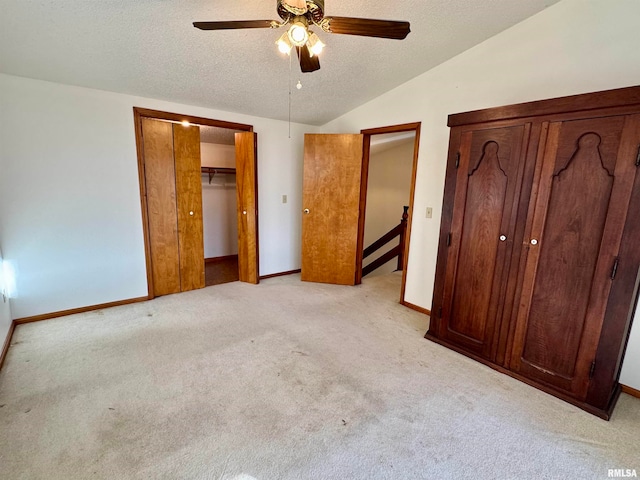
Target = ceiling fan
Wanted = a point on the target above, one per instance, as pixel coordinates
(300, 14)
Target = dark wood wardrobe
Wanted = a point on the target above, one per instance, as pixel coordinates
(539, 249)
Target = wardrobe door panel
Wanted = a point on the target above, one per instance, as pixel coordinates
(584, 190)
(488, 182)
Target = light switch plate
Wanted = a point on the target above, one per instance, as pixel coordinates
(284, 199)
(429, 212)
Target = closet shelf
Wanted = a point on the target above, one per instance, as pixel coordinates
(213, 171)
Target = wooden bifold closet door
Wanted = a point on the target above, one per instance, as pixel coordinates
(247, 195)
(538, 260)
(174, 203)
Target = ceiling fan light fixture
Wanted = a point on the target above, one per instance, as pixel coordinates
(284, 44)
(315, 44)
(297, 16)
(298, 33)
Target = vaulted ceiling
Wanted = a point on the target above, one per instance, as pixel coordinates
(150, 48)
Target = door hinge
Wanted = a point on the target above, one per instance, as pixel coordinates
(458, 159)
(593, 369)
(638, 157)
(449, 239)
(440, 312)
(614, 269)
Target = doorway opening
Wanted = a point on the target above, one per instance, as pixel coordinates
(219, 204)
(177, 156)
(389, 168)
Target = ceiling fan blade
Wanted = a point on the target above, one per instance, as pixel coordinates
(369, 28)
(238, 24)
(308, 63)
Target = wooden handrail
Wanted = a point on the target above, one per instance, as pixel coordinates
(383, 240)
(398, 251)
(377, 263)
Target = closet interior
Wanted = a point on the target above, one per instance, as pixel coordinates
(219, 204)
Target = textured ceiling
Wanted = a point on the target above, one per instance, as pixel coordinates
(149, 48)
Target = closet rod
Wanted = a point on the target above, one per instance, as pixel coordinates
(212, 171)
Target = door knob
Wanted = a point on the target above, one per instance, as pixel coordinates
(306, 211)
(503, 238)
(191, 213)
(534, 241)
(244, 212)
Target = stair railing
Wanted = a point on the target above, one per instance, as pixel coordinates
(399, 230)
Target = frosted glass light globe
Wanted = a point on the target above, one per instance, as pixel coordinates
(298, 34)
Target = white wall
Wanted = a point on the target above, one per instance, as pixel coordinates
(5, 308)
(219, 216)
(631, 368)
(219, 201)
(575, 46)
(388, 189)
(216, 155)
(70, 211)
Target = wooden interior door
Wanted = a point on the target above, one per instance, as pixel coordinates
(247, 192)
(586, 180)
(160, 188)
(489, 178)
(331, 203)
(186, 151)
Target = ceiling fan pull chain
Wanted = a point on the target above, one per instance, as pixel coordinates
(289, 96)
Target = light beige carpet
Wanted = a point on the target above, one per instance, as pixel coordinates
(285, 380)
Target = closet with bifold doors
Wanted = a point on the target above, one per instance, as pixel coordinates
(538, 264)
(173, 190)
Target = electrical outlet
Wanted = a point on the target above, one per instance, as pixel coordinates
(284, 199)
(429, 212)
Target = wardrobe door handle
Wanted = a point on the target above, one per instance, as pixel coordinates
(534, 241)
(503, 238)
